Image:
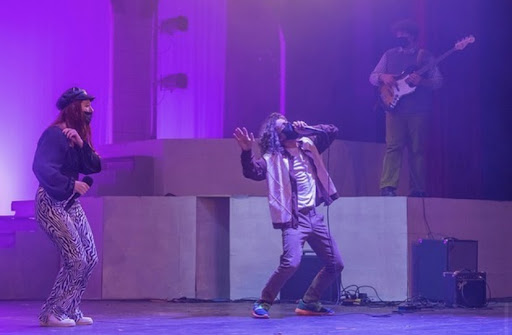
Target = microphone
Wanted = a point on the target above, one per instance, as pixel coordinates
(309, 130)
(88, 180)
(291, 132)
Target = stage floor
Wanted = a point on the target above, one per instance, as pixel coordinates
(160, 317)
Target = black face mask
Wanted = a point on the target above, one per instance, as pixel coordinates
(402, 41)
(88, 117)
(289, 132)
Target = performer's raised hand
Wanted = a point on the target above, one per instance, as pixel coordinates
(244, 138)
(299, 125)
(72, 135)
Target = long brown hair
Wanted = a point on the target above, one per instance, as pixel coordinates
(269, 137)
(73, 117)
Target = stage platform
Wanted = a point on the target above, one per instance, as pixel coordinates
(159, 317)
(225, 248)
(191, 167)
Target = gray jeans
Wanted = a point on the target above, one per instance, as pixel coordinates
(313, 230)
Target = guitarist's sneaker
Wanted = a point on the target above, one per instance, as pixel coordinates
(312, 308)
(260, 310)
(418, 194)
(388, 191)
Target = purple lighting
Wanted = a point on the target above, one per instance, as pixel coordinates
(282, 72)
(196, 111)
(47, 49)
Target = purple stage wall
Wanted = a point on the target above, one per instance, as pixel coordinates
(47, 48)
(200, 53)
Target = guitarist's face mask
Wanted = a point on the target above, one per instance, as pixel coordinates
(402, 41)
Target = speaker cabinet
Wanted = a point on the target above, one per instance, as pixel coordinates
(431, 258)
(466, 289)
(297, 285)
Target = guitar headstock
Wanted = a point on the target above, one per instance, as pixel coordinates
(464, 42)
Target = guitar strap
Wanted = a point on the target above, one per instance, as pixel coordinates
(420, 59)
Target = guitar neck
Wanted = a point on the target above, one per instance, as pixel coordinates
(435, 62)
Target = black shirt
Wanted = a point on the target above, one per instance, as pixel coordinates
(57, 164)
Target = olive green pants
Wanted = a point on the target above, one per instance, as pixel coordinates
(405, 130)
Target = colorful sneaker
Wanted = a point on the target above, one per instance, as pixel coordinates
(312, 308)
(260, 310)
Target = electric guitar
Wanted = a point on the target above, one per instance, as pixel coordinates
(390, 95)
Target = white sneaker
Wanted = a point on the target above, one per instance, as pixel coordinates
(85, 321)
(54, 322)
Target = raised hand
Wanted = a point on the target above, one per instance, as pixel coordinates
(72, 135)
(244, 139)
(299, 125)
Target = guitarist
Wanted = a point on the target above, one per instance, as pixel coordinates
(406, 123)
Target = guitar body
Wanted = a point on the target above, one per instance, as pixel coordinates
(389, 96)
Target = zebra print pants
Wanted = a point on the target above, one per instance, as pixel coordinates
(72, 235)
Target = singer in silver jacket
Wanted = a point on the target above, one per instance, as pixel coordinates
(297, 182)
(64, 151)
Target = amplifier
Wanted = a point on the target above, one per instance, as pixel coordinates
(465, 288)
(431, 258)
